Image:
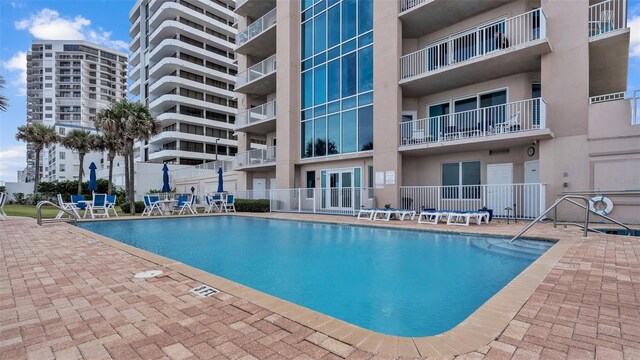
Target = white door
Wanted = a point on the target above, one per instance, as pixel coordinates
(259, 186)
(531, 199)
(272, 184)
(500, 188)
(339, 196)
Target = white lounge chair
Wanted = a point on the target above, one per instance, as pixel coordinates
(433, 217)
(111, 204)
(229, 205)
(366, 213)
(3, 200)
(463, 218)
(151, 204)
(69, 206)
(385, 214)
(213, 203)
(186, 205)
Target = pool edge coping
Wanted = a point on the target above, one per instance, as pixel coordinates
(481, 327)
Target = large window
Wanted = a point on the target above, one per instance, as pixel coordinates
(311, 183)
(460, 180)
(337, 77)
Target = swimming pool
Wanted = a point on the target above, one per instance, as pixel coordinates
(396, 282)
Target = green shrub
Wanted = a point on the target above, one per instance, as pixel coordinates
(3, 189)
(19, 198)
(248, 205)
(139, 207)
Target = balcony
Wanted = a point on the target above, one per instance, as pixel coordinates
(479, 54)
(263, 29)
(257, 120)
(608, 47)
(615, 116)
(420, 17)
(254, 8)
(259, 79)
(501, 125)
(256, 159)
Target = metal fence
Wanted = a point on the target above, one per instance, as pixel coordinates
(256, 28)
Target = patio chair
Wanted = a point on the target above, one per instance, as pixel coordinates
(463, 218)
(3, 199)
(229, 204)
(367, 213)
(66, 206)
(212, 203)
(386, 214)
(183, 205)
(151, 204)
(605, 23)
(111, 204)
(513, 124)
(433, 217)
(77, 202)
(98, 206)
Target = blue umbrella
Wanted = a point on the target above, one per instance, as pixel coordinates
(165, 179)
(93, 184)
(220, 180)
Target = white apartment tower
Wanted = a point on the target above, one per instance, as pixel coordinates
(68, 81)
(183, 68)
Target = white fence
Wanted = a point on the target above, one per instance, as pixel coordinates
(263, 68)
(475, 43)
(255, 114)
(607, 16)
(494, 120)
(522, 201)
(409, 4)
(342, 201)
(207, 169)
(255, 157)
(256, 28)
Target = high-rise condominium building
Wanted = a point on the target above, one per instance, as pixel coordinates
(446, 104)
(68, 81)
(183, 69)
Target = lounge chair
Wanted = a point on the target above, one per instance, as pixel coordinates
(69, 206)
(464, 218)
(3, 199)
(433, 216)
(151, 204)
(212, 203)
(366, 213)
(111, 204)
(229, 204)
(385, 214)
(78, 203)
(98, 206)
(183, 205)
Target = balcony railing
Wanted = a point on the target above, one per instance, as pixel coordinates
(255, 157)
(508, 118)
(257, 71)
(475, 43)
(521, 201)
(258, 113)
(208, 169)
(409, 4)
(607, 16)
(256, 28)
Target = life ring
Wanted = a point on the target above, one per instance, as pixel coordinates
(601, 205)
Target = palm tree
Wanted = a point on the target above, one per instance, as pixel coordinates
(81, 141)
(112, 145)
(39, 136)
(129, 122)
(4, 102)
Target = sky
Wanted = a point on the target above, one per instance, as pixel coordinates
(105, 22)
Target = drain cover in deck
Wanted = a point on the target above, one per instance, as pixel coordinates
(148, 274)
(205, 290)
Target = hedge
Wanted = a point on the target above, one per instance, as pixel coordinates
(139, 207)
(249, 205)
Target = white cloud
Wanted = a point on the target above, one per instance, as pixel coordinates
(18, 63)
(634, 46)
(12, 160)
(47, 24)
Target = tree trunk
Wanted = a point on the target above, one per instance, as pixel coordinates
(81, 155)
(111, 156)
(36, 179)
(125, 154)
(131, 179)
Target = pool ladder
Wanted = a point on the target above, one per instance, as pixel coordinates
(72, 217)
(569, 198)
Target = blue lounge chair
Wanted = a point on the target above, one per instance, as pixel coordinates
(98, 207)
(111, 204)
(229, 204)
(183, 204)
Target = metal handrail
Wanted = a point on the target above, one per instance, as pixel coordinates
(555, 215)
(72, 216)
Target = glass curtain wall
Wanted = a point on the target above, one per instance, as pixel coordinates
(337, 77)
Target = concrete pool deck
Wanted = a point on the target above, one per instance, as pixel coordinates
(69, 293)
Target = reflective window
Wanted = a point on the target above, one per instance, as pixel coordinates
(320, 144)
(320, 33)
(365, 128)
(307, 92)
(348, 19)
(333, 135)
(365, 69)
(320, 85)
(307, 139)
(349, 128)
(349, 75)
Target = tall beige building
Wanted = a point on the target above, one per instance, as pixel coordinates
(448, 104)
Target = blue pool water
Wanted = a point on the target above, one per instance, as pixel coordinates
(396, 282)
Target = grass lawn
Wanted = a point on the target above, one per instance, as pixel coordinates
(48, 212)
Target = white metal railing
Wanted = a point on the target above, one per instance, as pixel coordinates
(409, 4)
(521, 201)
(607, 16)
(255, 114)
(635, 108)
(339, 201)
(475, 43)
(255, 157)
(256, 28)
(206, 169)
(263, 68)
(512, 117)
(606, 97)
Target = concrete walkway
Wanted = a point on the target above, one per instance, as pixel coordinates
(66, 295)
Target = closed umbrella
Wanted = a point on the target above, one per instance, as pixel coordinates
(220, 188)
(93, 184)
(165, 179)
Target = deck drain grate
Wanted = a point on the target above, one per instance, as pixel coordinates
(148, 274)
(568, 265)
(205, 290)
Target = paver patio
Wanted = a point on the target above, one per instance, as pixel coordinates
(65, 295)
